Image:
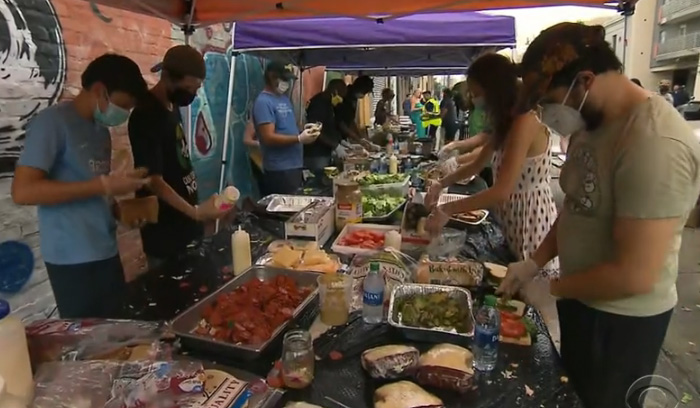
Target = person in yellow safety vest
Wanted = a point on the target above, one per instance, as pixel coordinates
(431, 115)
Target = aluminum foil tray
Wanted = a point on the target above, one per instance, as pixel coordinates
(291, 203)
(448, 198)
(184, 324)
(435, 334)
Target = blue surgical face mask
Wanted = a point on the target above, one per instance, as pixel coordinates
(113, 116)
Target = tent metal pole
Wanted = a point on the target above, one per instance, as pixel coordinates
(227, 122)
(325, 80)
(301, 96)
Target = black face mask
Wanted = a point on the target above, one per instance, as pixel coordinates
(181, 97)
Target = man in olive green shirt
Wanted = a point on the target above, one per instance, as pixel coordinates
(631, 177)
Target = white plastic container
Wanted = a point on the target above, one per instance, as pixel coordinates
(8, 400)
(15, 366)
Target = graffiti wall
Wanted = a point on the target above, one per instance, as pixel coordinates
(208, 112)
(32, 70)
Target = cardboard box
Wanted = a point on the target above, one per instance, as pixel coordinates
(319, 230)
(135, 209)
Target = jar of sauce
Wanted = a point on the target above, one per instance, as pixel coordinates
(348, 204)
(297, 359)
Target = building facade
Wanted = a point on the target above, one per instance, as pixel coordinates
(676, 46)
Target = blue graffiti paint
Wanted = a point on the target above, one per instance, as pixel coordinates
(208, 118)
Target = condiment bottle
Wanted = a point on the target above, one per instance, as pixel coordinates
(390, 145)
(392, 239)
(393, 164)
(8, 400)
(15, 366)
(227, 198)
(240, 245)
(348, 204)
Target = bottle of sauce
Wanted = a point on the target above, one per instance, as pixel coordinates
(392, 239)
(393, 164)
(348, 202)
(15, 366)
(240, 245)
(390, 145)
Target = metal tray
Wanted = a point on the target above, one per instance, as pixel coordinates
(385, 217)
(290, 203)
(184, 324)
(448, 198)
(435, 334)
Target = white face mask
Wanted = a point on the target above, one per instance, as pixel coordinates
(562, 118)
(283, 86)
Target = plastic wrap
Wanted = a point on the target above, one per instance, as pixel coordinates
(107, 384)
(97, 339)
(395, 266)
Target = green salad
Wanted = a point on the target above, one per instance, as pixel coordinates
(375, 179)
(380, 205)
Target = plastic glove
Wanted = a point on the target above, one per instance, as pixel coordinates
(519, 274)
(436, 221)
(341, 152)
(123, 182)
(450, 166)
(446, 150)
(345, 143)
(433, 194)
(308, 136)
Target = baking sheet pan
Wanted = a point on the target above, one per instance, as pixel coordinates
(184, 324)
(279, 203)
(436, 334)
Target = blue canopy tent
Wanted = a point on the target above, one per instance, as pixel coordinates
(419, 44)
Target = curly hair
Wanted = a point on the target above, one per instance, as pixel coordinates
(498, 77)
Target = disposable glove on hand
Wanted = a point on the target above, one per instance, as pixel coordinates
(308, 136)
(446, 150)
(436, 221)
(450, 166)
(433, 194)
(519, 274)
(341, 152)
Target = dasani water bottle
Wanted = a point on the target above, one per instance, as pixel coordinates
(373, 295)
(488, 324)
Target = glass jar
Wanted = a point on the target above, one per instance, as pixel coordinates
(297, 359)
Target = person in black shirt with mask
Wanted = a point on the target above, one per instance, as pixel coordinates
(159, 144)
(321, 109)
(345, 112)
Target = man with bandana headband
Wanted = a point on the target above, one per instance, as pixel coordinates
(631, 177)
(276, 127)
(159, 143)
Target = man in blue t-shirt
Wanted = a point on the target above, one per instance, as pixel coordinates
(65, 171)
(278, 133)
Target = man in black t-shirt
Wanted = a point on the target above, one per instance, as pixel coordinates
(317, 155)
(159, 143)
(346, 112)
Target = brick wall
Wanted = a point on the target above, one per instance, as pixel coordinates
(62, 37)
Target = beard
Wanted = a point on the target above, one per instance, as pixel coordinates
(592, 117)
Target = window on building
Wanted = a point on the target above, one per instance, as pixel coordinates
(614, 42)
(682, 29)
(662, 36)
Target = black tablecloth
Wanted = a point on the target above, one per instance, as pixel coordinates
(163, 293)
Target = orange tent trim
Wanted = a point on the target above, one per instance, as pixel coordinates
(208, 12)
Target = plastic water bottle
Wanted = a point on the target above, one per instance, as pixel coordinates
(488, 325)
(373, 295)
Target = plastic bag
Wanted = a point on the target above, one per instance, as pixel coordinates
(448, 243)
(97, 339)
(395, 266)
(108, 384)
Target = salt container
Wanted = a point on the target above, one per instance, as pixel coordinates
(15, 366)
